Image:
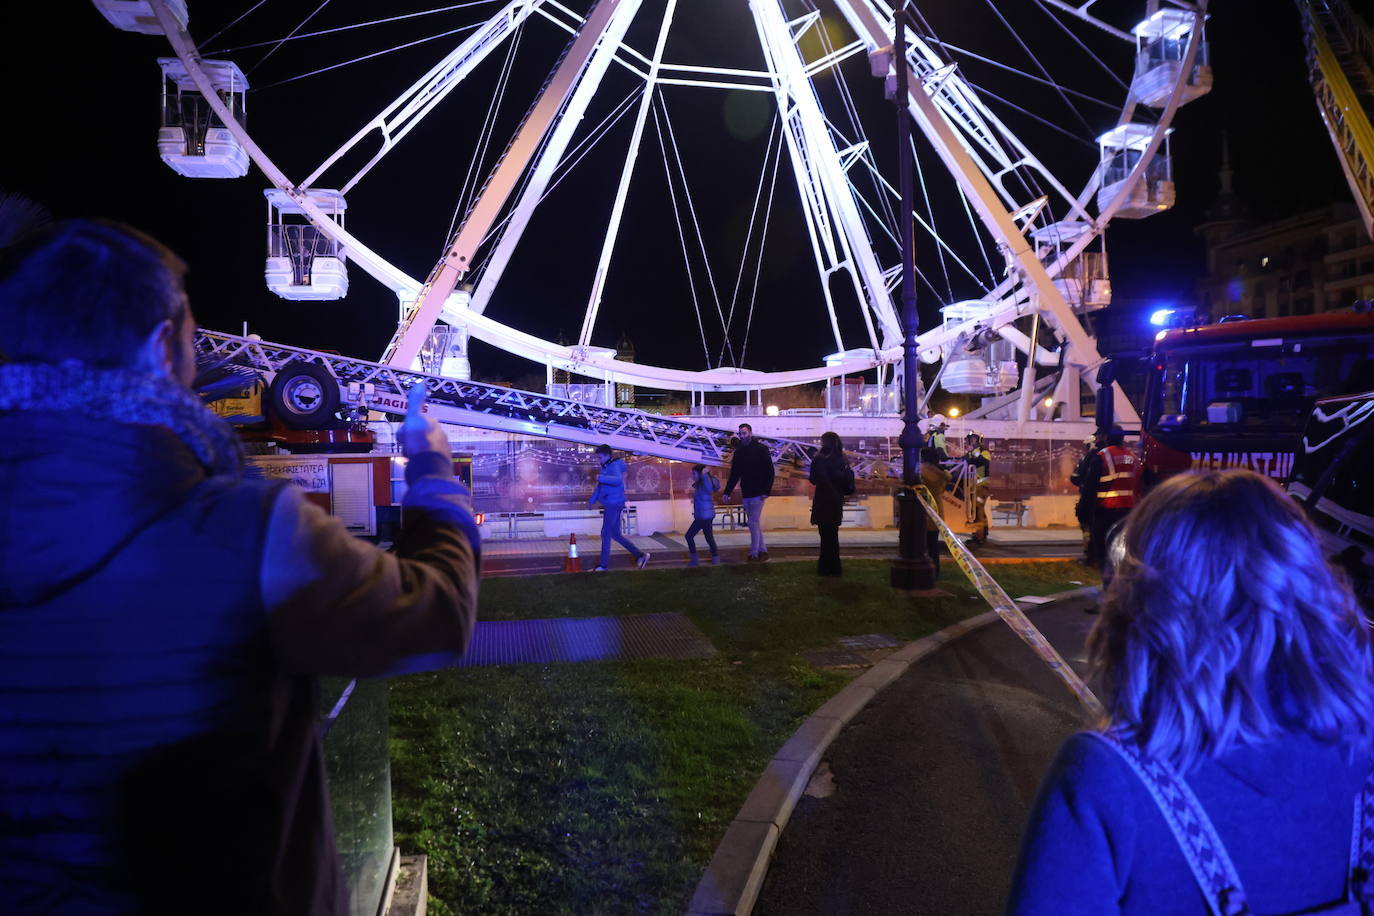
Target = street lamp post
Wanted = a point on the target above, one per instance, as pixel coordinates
(912, 570)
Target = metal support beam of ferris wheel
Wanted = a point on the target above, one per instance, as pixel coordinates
(410, 108)
(864, 18)
(584, 337)
(549, 158)
(457, 260)
(821, 177)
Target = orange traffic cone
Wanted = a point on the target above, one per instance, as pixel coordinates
(572, 563)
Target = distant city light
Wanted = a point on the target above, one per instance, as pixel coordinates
(954, 411)
(771, 410)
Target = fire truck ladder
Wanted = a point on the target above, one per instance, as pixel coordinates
(1340, 63)
(377, 386)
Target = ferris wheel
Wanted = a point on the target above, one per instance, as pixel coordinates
(1040, 121)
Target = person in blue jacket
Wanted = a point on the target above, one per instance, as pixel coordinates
(165, 619)
(610, 493)
(704, 488)
(1233, 659)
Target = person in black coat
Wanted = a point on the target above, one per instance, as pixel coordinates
(834, 480)
(751, 467)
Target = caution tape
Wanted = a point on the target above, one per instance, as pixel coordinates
(1001, 602)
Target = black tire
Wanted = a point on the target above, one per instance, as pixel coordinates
(304, 395)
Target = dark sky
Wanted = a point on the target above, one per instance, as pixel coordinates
(83, 121)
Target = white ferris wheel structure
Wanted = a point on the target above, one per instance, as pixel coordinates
(1035, 268)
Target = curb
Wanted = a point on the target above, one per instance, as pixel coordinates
(731, 883)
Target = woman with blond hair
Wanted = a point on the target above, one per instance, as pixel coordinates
(1236, 672)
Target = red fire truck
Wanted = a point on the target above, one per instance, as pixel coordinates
(1239, 393)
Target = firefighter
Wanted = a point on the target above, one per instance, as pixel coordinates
(1084, 479)
(1116, 474)
(935, 435)
(978, 461)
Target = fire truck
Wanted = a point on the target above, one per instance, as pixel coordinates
(1240, 393)
(1333, 478)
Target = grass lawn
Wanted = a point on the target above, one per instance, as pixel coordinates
(605, 786)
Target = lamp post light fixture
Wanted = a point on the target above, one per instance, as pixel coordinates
(912, 570)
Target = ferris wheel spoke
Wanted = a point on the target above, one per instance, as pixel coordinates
(273, 50)
(623, 185)
(408, 109)
(1038, 65)
(1092, 55)
(1007, 68)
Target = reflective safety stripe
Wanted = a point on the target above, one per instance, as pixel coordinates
(1116, 488)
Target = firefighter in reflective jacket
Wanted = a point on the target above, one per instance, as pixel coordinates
(1117, 471)
(979, 462)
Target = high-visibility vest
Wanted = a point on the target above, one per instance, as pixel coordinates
(980, 471)
(1120, 479)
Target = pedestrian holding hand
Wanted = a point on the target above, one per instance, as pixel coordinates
(704, 487)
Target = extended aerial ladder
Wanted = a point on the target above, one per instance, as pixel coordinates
(1340, 63)
(380, 387)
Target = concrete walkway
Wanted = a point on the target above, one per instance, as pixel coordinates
(907, 792)
(533, 556)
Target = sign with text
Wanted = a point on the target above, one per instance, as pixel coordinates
(310, 474)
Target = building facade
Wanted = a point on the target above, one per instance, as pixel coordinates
(1316, 261)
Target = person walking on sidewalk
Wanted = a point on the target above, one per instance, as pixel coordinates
(1236, 664)
(935, 479)
(752, 468)
(610, 493)
(834, 480)
(705, 485)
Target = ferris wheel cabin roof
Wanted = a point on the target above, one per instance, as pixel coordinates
(138, 15)
(1063, 232)
(1129, 136)
(225, 75)
(969, 310)
(1172, 24)
(324, 198)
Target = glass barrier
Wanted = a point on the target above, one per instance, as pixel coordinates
(354, 723)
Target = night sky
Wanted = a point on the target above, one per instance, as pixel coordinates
(83, 120)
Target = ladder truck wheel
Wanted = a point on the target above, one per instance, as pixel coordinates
(304, 395)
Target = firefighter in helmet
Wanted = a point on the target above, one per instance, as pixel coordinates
(935, 434)
(1115, 476)
(978, 461)
(1084, 479)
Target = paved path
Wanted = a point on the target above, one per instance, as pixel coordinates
(930, 785)
(543, 555)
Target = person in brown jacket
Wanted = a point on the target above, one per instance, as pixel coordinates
(164, 620)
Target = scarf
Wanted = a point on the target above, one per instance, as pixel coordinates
(124, 396)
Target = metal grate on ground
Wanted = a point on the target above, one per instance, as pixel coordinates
(586, 639)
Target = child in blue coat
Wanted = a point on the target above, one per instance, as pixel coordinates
(704, 487)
